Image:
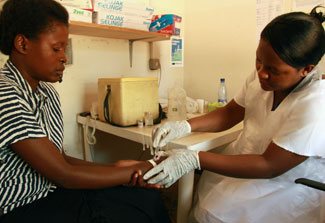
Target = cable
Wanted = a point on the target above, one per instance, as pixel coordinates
(91, 140)
(106, 105)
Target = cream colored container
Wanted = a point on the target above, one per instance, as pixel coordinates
(129, 99)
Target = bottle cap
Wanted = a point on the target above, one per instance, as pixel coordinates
(222, 80)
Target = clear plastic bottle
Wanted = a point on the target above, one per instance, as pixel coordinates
(176, 104)
(222, 93)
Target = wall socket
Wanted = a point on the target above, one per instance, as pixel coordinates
(154, 64)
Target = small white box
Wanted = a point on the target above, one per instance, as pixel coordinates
(124, 7)
(143, 27)
(105, 17)
(77, 14)
(83, 4)
(144, 2)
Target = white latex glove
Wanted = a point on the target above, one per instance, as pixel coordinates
(168, 131)
(179, 162)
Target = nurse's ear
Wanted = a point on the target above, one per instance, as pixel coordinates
(306, 70)
(21, 43)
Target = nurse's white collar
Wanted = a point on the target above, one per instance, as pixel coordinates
(314, 75)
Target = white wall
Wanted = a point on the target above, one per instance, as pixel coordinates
(219, 42)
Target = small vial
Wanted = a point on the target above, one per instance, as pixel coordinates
(148, 119)
(140, 123)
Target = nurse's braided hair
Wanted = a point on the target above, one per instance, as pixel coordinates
(29, 18)
(297, 38)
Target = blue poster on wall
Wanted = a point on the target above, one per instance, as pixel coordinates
(177, 52)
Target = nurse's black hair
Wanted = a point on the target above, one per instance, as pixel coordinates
(297, 38)
(29, 18)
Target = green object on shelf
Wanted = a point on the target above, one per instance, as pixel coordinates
(214, 105)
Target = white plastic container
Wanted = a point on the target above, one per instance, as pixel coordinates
(176, 104)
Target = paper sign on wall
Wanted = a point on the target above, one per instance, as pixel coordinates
(177, 52)
(306, 5)
(266, 11)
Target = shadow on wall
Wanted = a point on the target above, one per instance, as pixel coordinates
(90, 96)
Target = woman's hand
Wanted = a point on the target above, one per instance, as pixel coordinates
(138, 181)
(178, 163)
(137, 178)
(168, 131)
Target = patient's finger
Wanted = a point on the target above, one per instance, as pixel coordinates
(133, 181)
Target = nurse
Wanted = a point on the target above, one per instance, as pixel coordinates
(282, 106)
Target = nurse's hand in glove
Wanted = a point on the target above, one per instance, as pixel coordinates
(178, 163)
(168, 131)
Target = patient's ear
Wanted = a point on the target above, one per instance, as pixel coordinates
(21, 43)
(306, 70)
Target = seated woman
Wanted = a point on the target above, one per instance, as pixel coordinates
(38, 182)
(282, 105)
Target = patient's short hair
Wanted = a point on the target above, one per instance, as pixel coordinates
(29, 18)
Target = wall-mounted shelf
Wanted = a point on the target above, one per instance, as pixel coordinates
(97, 30)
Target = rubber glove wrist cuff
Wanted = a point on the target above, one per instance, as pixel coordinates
(198, 160)
(188, 125)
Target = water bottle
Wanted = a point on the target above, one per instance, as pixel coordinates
(222, 93)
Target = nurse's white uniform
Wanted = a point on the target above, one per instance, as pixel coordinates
(297, 125)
